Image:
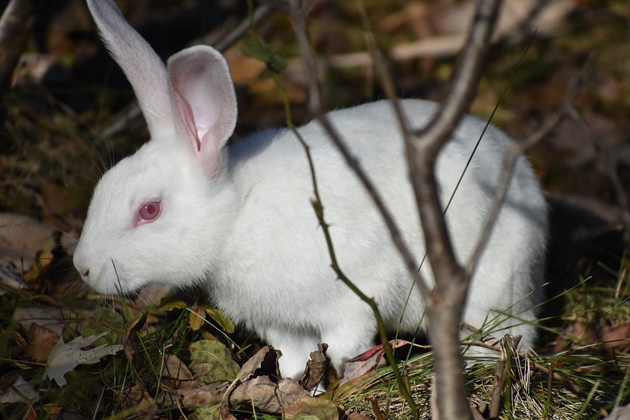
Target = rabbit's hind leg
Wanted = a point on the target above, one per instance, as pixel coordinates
(295, 346)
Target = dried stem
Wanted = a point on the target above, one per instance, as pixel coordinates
(387, 84)
(427, 142)
(499, 385)
(237, 33)
(550, 123)
(319, 211)
(570, 386)
(445, 308)
(318, 109)
(579, 120)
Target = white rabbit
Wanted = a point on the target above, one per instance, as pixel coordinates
(185, 209)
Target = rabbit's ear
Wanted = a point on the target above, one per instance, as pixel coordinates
(204, 102)
(142, 66)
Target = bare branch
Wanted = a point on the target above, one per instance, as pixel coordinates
(517, 149)
(317, 107)
(237, 33)
(387, 84)
(445, 308)
(499, 385)
(610, 168)
(423, 150)
(549, 124)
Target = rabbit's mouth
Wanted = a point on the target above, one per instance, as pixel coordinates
(104, 279)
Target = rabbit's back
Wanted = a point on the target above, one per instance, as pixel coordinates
(278, 244)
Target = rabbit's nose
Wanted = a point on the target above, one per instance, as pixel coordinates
(82, 268)
(85, 274)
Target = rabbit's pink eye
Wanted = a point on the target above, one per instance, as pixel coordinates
(149, 211)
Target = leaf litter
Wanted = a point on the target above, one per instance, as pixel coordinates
(65, 357)
(257, 384)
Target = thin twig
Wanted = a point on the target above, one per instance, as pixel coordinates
(424, 147)
(387, 84)
(549, 124)
(237, 33)
(318, 109)
(377, 410)
(570, 386)
(499, 384)
(316, 106)
(319, 211)
(422, 152)
(445, 308)
(517, 149)
(622, 198)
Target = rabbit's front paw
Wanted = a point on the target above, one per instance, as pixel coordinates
(296, 346)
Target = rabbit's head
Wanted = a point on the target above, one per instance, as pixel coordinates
(153, 211)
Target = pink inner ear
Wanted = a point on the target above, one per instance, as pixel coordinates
(203, 100)
(188, 119)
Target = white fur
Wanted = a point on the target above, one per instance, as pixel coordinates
(239, 220)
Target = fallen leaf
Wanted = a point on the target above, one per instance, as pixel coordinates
(315, 368)
(131, 395)
(289, 391)
(259, 392)
(151, 296)
(225, 413)
(617, 336)
(367, 361)
(604, 336)
(267, 395)
(264, 362)
(358, 416)
(245, 70)
(197, 318)
(170, 302)
(212, 362)
(208, 412)
(41, 263)
(41, 342)
(220, 318)
(48, 316)
(174, 368)
(21, 238)
(14, 388)
(65, 357)
(254, 387)
(307, 408)
(203, 396)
